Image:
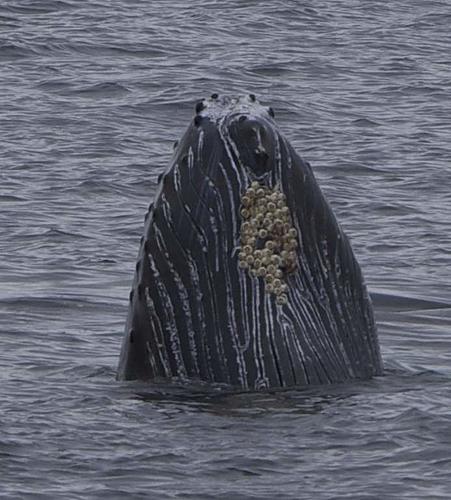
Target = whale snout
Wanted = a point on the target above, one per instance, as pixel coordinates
(255, 141)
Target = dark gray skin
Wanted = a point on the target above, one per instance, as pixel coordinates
(194, 313)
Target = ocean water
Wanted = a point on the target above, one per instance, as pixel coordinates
(92, 96)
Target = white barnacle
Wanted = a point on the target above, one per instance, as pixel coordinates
(261, 271)
(278, 224)
(271, 207)
(291, 244)
(281, 299)
(276, 260)
(250, 259)
(271, 268)
(269, 245)
(266, 217)
(246, 201)
(278, 212)
(269, 278)
(277, 282)
(251, 241)
(266, 252)
(266, 261)
(292, 256)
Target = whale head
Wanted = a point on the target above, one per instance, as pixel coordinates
(244, 276)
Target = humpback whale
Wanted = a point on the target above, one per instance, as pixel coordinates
(244, 277)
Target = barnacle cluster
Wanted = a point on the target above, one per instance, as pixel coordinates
(268, 240)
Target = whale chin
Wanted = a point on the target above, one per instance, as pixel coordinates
(244, 276)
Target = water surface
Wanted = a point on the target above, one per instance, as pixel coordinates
(92, 96)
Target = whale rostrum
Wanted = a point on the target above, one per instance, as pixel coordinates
(244, 276)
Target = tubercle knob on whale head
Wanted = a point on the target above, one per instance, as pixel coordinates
(217, 107)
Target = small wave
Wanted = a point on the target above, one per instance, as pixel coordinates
(10, 52)
(58, 233)
(270, 70)
(391, 209)
(350, 168)
(102, 371)
(98, 186)
(101, 89)
(365, 122)
(137, 52)
(6, 198)
(134, 51)
(54, 233)
(43, 304)
(396, 369)
(398, 302)
(80, 371)
(433, 19)
(44, 8)
(54, 85)
(9, 22)
(97, 260)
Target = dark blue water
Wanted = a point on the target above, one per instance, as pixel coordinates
(92, 95)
